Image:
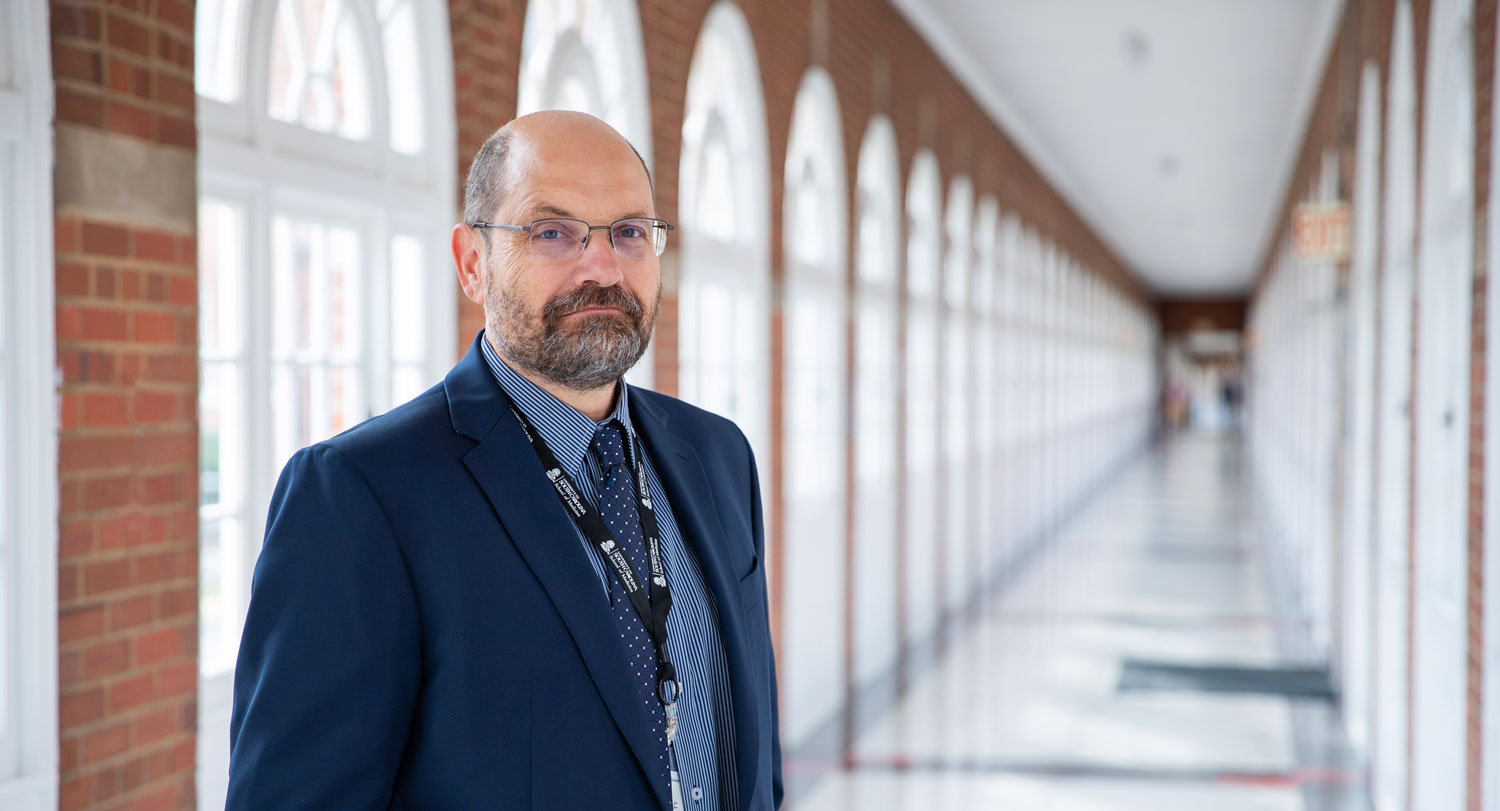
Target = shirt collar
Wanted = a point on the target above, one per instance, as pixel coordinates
(567, 431)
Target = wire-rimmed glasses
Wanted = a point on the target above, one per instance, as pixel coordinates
(563, 239)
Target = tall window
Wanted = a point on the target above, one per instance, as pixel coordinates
(1440, 653)
(877, 303)
(1358, 462)
(586, 55)
(924, 256)
(814, 226)
(28, 422)
(325, 293)
(1393, 420)
(982, 468)
(724, 345)
(958, 484)
(1008, 389)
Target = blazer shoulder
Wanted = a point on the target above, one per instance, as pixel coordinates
(400, 436)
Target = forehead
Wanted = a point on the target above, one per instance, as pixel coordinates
(597, 179)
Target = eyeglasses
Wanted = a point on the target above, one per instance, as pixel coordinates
(566, 239)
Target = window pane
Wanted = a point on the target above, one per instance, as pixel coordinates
(221, 278)
(217, 49)
(408, 321)
(403, 77)
(317, 80)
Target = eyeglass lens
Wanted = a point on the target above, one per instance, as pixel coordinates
(564, 239)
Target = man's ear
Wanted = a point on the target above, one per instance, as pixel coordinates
(468, 259)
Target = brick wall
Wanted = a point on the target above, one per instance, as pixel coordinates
(126, 293)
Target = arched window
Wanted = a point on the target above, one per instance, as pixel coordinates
(325, 295)
(28, 415)
(1009, 386)
(957, 544)
(1439, 591)
(814, 229)
(877, 310)
(1393, 420)
(586, 55)
(1358, 459)
(984, 337)
(924, 257)
(724, 299)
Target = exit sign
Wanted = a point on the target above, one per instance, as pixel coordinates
(1320, 231)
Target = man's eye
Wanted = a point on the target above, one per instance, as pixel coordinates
(630, 232)
(550, 234)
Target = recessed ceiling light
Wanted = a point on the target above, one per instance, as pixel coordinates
(1137, 47)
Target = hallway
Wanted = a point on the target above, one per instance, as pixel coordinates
(1139, 662)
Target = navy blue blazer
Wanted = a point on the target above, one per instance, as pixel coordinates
(425, 631)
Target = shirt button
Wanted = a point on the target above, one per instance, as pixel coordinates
(697, 794)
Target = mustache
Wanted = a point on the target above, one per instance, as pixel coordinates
(591, 296)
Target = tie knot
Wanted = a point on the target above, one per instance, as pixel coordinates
(609, 444)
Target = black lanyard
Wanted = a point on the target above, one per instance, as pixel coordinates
(652, 608)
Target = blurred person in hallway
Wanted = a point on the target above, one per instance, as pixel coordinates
(533, 585)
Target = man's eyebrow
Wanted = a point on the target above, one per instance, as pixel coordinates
(546, 210)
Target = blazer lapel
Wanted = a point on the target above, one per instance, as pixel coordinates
(507, 469)
(693, 506)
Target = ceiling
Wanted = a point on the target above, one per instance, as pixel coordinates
(1171, 126)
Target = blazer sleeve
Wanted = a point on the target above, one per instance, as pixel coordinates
(329, 664)
(758, 536)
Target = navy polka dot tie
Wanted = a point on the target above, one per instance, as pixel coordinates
(617, 505)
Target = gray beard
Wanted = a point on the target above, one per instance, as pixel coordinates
(583, 357)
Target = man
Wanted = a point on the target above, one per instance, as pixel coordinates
(491, 596)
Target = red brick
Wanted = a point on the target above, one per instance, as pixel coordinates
(156, 567)
(175, 91)
(176, 130)
(131, 693)
(105, 282)
(75, 539)
(75, 20)
(70, 61)
(128, 35)
(155, 246)
(155, 328)
(76, 792)
(104, 239)
(106, 576)
(131, 612)
(156, 287)
(104, 659)
(106, 743)
(179, 679)
(131, 282)
(155, 726)
(167, 799)
(80, 707)
(184, 756)
(76, 454)
(164, 489)
(68, 577)
(68, 321)
(75, 624)
(172, 368)
(121, 531)
(101, 324)
(104, 410)
(179, 448)
(129, 119)
(184, 291)
(156, 406)
(175, 603)
(64, 235)
(76, 107)
(72, 280)
(158, 645)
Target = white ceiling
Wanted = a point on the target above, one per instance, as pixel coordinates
(1171, 126)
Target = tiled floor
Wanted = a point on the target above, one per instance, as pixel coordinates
(1023, 709)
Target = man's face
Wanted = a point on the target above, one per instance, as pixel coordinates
(579, 322)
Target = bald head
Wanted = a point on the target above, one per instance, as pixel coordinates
(534, 141)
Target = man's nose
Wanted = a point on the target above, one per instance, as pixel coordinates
(598, 263)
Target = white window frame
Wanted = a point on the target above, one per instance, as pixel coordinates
(1393, 421)
(734, 117)
(877, 387)
(815, 310)
(576, 39)
(366, 185)
(1440, 582)
(28, 618)
(1356, 663)
(922, 376)
(957, 377)
(982, 411)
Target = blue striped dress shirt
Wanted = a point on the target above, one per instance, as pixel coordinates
(705, 726)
